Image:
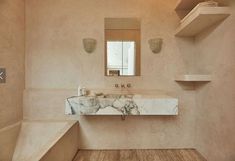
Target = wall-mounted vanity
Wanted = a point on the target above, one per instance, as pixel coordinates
(122, 104)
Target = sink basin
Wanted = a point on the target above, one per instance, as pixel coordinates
(83, 105)
(122, 104)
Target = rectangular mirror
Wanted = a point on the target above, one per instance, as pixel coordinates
(122, 47)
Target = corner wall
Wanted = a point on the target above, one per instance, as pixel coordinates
(12, 58)
(215, 133)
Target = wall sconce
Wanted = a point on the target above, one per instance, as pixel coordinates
(155, 45)
(89, 45)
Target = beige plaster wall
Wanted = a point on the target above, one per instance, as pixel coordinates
(56, 64)
(55, 57)
(11, 58)
(215, 135)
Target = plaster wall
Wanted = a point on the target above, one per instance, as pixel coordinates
(215, 101)
(56, 64)
(12, 58)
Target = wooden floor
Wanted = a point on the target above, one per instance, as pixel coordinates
(139, 155)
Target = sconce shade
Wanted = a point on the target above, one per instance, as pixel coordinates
(89, 45)
(155, 45)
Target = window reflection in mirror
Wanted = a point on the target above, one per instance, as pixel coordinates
(121, 58)
(122, 47)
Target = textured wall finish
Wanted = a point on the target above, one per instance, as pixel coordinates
(215, 135)
(55, 59)
(56, 64)
(11, 58)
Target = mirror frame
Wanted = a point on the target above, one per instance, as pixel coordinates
(123, 29)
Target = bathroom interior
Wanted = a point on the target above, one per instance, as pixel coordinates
(117, 80)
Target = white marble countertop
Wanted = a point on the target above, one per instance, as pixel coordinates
(122, 104)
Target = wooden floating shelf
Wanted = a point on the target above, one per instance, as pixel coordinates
(193, 78)
(187, 4)
(201, 19)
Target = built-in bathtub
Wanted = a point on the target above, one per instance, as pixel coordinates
(42, 141)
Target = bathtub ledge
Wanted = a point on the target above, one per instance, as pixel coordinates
(54, 138)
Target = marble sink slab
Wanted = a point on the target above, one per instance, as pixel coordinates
(122, 104)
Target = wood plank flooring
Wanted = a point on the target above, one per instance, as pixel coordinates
(139, 155)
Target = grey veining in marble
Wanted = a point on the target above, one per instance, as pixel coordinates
(116, 104)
